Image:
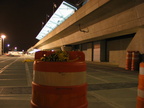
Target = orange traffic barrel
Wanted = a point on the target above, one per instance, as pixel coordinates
(140, 97)
(128, 60)
(135, 60)
(60, 84)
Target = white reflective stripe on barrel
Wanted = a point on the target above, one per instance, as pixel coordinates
(141, 71)
(141, 93)
(59, 78)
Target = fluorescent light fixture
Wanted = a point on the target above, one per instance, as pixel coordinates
(64, 11)
(34, 50)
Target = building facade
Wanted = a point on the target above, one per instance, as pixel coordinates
(103, 29)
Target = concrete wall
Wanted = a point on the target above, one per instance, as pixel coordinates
(96, 51)
(116, 50)
(87, 49)
(137, 43)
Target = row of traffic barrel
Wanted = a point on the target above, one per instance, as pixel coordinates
(132, 60)
(135, 61)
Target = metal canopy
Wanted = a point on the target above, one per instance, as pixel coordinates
(64, 11)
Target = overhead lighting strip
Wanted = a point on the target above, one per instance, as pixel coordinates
(64, 11)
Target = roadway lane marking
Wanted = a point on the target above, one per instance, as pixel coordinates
(4, 68)
(101, 79)
(29, 79)
(117, 74)
(5, 60)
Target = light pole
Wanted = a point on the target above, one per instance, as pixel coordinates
(3, 37)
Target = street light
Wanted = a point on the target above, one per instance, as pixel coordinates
(15, 48)
(3, 36)
(8, 45)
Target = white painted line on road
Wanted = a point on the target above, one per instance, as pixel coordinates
(29, 79)
(5, 60)
(15, 97)
(4, 68)
(117, 75)
(106, 81)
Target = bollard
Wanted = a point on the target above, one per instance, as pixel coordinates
(140, 97)
(59, 84)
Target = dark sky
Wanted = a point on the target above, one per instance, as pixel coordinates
(21, 20)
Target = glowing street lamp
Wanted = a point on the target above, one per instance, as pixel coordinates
(15, 48)
(3, 37)
(8, 45)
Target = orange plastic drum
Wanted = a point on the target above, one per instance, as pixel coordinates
(60, 84)
(135, 60)
(128, 60)
(140, 97)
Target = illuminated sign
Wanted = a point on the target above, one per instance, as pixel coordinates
(64, 11)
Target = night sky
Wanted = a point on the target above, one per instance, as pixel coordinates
(21, 20)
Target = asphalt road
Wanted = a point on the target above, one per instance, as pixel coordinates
(15, 81)
(108, 85)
